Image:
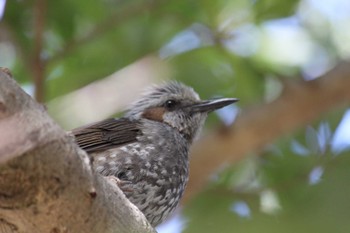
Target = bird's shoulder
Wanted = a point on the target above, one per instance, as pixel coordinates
(107, 134)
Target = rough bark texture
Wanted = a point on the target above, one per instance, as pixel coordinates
(46, 184)
(300, 103)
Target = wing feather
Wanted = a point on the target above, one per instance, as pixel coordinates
(107, 134)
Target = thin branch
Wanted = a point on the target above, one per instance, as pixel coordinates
(38, 63)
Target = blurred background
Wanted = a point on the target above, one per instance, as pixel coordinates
(275, 162)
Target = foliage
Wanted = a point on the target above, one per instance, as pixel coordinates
(303, 191)
(242, 48)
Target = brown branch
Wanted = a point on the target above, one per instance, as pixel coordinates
(300, 103)
(46, 184)
(38, 63)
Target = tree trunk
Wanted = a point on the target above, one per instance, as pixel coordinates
(46, 183)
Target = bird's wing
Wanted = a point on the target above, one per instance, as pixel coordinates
(106, 134)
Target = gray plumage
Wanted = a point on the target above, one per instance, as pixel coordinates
(146, 151)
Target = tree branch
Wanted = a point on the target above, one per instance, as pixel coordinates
(46, 184)
(300, 103)
(38, 63)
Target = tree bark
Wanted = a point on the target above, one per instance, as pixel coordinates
(46, 183)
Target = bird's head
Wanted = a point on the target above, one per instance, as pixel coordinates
(176, 105)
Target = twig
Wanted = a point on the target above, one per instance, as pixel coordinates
(38, 63)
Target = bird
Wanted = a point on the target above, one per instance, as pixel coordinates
(146, 152)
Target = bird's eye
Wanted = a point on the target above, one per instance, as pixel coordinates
(170, 104)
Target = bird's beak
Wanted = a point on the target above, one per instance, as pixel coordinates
(211, 105)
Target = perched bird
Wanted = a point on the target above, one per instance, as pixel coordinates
(146, 151)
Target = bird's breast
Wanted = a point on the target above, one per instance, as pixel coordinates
(156, 165)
